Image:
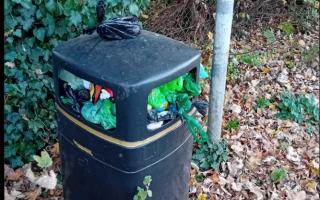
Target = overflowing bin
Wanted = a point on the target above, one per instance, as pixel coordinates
(108, 142)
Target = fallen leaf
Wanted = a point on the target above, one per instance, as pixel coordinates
(32, 195)
(292, 155)
(236, 186)
(266, 70)
(283, 77)
(45, 181)
(15, 175)
(14, 194)
(235, 108)
(301, 43)
(255, 190)
(255, 82)
(309, 184)
(301, 195)
(202, 197)
(55, 150)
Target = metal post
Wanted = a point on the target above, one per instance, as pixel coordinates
(224, 14)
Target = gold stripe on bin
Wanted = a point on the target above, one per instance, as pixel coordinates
(118, 141)
(85, 149)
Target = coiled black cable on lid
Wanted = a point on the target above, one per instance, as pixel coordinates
(116, 28)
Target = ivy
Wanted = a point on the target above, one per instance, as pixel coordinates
(32, 30)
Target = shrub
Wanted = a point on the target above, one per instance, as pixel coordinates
(32, 30)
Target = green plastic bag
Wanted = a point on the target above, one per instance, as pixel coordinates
(90, 111)
(172, 87)
(75, 82)
(156, 99)
(101, 113)
(107, 119)
(190, 86)
(183, 102)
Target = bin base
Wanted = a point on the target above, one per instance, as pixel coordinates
(86, 178)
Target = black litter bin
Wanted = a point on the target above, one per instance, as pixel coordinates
(110, 164)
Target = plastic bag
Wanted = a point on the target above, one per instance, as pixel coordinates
(156, 99)
(83, 95)
(65, 100)
(107, 119)
(173, 86)
(183, 102)
(100, 113)
(191, 87)
(202, 72)
(75, 82)
(90, 111)
(201, 106)
(71, 95)
(154, 116)
(119, 28)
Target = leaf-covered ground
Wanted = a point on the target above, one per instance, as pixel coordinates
(269, 157)
(260, 142)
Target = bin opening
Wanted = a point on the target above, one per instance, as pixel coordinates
(165, 100)
(95, 103)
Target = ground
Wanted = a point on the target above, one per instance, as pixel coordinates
(263, 67)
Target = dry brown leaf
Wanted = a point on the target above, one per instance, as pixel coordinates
(55, 150)
(215, 177)
(13, 195)
(202, 197)
(32, 195)
(266, 70)
(15, 175)
(45, 181)
(309, 184)
(301, 195)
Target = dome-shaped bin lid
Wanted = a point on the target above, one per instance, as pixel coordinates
(144, 60)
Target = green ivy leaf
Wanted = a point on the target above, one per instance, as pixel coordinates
(134, 9)
(39, 33)
(27, 24)
(51, 6)
(17, 33)
(16, 162)
(9, 151)
(75, 18)
(43, 161)
(10, 56)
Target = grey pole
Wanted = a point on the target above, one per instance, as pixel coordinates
(224, 14)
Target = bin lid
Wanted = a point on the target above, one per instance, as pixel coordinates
(144, 59)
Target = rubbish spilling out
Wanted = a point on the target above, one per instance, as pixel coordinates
(96, 104)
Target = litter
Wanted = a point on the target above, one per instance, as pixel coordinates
(202, 72)
(172, 87)
(156, 99)
(154, 125)
(201, 106)
(71, 95)
(165, 103)
(83, 95)
(192, 88)
(92, 101)
(154, 116)
(100, 113)
(72, 80)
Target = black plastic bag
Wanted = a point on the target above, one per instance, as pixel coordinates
(71, 94)
(119, 28)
